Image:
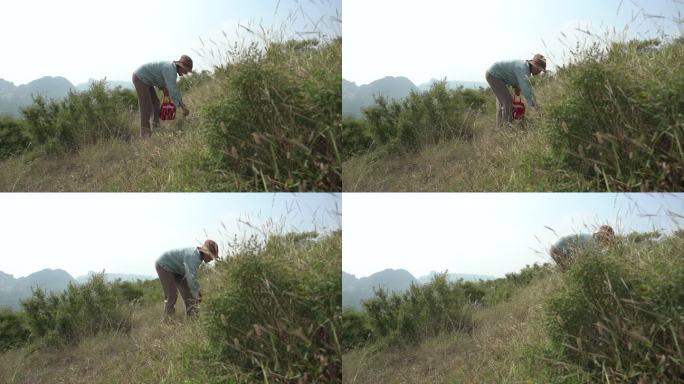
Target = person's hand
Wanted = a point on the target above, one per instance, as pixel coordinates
(186, 111)
(516, 90)
(165, 91)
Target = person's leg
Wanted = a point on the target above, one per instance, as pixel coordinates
(168, 283)
(144, 104)
(155, 108)
(503, 97)
(188, 298)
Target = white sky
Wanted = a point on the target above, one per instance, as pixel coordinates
(81, 39)
(459, 40)
(483, 233)
(127, 232)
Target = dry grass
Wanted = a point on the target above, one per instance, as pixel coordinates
(497, 350)
(493, 161)
(150, 354)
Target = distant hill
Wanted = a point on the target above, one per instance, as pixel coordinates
(12, 290)
(354, 290)
(355, 98)
(114, 277)
(13, 98)
(454, 277)
(454, 84)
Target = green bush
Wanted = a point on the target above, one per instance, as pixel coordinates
(618, 316)
(275, 309)
(278, 120)
(80, 311)
(356, 330)
(81, 118)
(425, 118)
(356, 137)
(619, 119)
(422, 311)
(13, 137)
(13, 331)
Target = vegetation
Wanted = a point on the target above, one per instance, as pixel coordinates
(268, 119)
(611, 120)
(270, 313)
(613, 316)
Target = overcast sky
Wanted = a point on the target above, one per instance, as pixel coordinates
(81, 39)
(461, 39)
(127, 232)
(484, 233)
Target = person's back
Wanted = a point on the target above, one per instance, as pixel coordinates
(567, 244)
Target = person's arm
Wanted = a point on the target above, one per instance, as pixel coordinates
(526, 89)
(191, 278)
(172, 89)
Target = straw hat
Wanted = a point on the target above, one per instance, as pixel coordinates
(539, 61)
(186, 62)
(210, 248)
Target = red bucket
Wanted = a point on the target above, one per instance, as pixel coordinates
(518, 108)
(167, 110)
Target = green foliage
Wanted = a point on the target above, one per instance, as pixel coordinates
(81, 118)
(277, 119)
(13, 137)
(276, 309)
(80, 311)
(425, 118)
(618, 119)
(356, 137)
(356, 329)
(13, 330)
(618, 317)
(421, 312)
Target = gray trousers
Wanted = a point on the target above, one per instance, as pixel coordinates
(504, 101)
(172, 283)
(149, 106)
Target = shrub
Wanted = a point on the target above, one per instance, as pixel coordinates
(80, 311)
(13, 331)
(81, 118)
(13, 137)
(423, 311)
(355, 329)
(618, 316)
(424, 119)
(618, 119)
(275, 311)
(356, 137)
(278, 120)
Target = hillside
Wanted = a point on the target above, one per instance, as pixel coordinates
(12, 290)
(266, 120)
(355, 290)
(602, 126)
(611, 316)
(116, 333)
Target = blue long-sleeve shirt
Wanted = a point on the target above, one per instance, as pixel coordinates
(184, 262)
(515, 73)
(569, 243)
(161, 74)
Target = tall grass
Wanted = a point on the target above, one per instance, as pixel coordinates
(618, 117)
(618, 317)
(274, 309)
(277, 119)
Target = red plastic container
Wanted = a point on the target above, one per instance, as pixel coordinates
(518, 108)
(167, 110)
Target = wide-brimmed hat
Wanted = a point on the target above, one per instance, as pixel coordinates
(210, 248)
(539, 61)
(186, 62)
